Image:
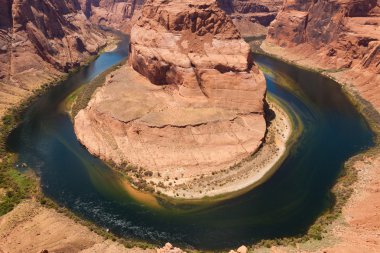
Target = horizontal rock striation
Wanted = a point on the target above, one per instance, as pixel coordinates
(38, 41)
(197, 48)
(252, 17)
(192, 103)
(110, 13)
(341, 36)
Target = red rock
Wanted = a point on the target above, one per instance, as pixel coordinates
(342, 36)
(196, 104)
(38, 41)
(117, 14)
(196, 47)
(251, 17)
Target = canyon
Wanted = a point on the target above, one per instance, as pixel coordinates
(251, 17)
(177, 67)
(39, 41)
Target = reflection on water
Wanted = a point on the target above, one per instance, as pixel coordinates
(285, 205)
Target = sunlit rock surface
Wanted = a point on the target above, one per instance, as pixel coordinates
(192, 101)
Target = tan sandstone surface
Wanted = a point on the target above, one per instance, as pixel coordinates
(196, 107)
(32, 228)
(39, 41)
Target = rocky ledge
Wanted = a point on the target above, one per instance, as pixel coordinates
(252, 17)
(339, 37)
(190, 104)
(39, 40)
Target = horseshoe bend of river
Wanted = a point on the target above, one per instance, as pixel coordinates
(285, 205)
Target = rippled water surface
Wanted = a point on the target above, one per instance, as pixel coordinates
(285, 205)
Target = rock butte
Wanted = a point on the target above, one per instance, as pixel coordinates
(193, 102)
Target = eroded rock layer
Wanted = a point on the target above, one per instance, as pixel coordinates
(38, 41)
(110, 13)
(341, 36)
(197, 105)
(252, 17)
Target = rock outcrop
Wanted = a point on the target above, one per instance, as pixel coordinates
(340, 36)
(252, 17)
(38, 41)
(110, 13)
(197, 105)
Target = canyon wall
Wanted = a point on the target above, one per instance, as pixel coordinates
(39, 40)
(340, 36)
(200, 51)
(118, 14)
(192, 99)
(252, 17)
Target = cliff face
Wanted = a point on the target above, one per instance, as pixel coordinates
(197, 48)
(345, 33)
(342, 36)
(251, 17)
(118, 14)
(38, 41)
(195, 108)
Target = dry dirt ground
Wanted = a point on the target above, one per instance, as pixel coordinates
(32, 228)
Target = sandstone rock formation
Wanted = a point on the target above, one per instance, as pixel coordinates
(38, 41)
(110, 13)
(197, 106)
(341, 36)
(168, 248)
(252, 17)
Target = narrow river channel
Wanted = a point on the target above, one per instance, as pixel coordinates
(287, 204)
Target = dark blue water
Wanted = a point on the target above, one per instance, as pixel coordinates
(287, 204)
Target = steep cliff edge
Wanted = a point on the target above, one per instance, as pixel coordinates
(192, 105)
(252, 17)
(39, 40)
(340, 37)
(110, 13)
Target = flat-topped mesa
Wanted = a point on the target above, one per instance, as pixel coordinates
(195, 45)
(197, 106)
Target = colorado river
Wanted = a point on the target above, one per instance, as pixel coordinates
(287, 204)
